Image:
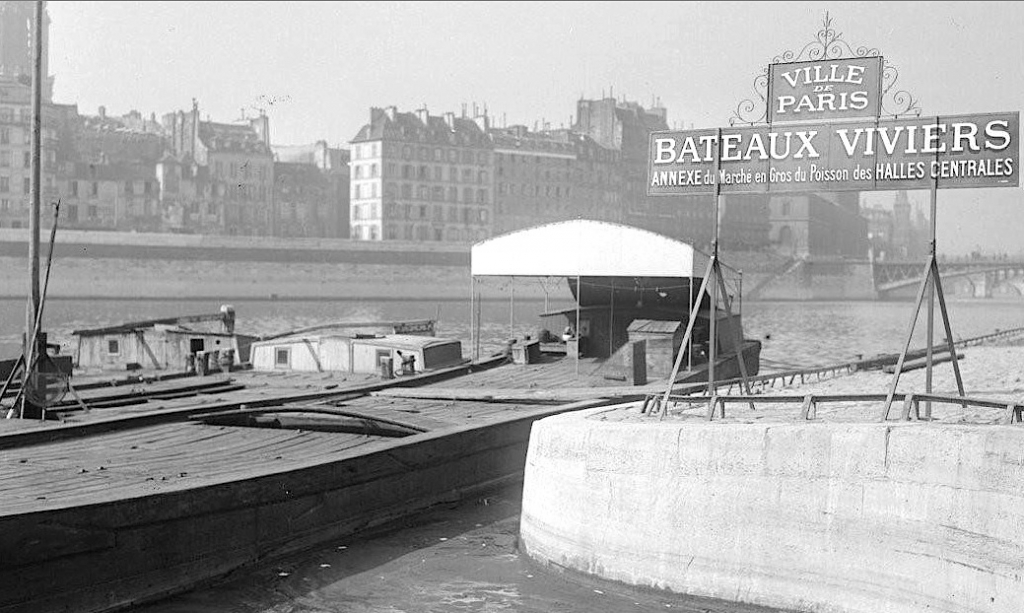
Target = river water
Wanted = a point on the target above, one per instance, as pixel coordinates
(463, 558)
(792, 333)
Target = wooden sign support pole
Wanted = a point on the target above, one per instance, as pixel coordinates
(932, 283)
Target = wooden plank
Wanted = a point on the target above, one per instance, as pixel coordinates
(921, 363)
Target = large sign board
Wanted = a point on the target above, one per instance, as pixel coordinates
(821, 90)
(957, 151)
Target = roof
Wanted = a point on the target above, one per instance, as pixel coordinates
(228, 137)
(300, 338)
(409, 127)
(586, 248)
(406, 341)
(152, 323)
(396, 341)
(654, 326)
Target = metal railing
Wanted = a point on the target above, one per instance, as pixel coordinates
(691, 394)
(809, 403)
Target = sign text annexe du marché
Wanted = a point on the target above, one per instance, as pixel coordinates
(961, 151)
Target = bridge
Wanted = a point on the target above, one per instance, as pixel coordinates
(981, 277)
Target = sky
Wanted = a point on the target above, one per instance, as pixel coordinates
(316, 68)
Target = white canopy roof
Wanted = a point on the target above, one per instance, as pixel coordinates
(586, 248)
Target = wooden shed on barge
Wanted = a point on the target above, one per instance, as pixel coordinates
(157, 343)
(360, 353)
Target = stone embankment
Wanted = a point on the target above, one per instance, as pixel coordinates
(843, 513)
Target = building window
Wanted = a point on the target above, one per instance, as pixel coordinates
(26, 185)
(5, 136)
(113, 346)
(282, 357)
(5, 184)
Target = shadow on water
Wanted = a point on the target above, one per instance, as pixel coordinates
(452, 558)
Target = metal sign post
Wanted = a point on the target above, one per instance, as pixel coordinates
(932, 283)
(712, 276)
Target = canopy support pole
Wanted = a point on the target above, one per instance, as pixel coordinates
(512, 310)
(579, 290)
(472, 317)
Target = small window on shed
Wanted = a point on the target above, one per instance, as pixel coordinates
(113, 346)
(282, 356)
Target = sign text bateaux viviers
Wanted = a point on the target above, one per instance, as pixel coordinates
(958, 151)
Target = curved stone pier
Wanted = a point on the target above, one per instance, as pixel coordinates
(822, 517)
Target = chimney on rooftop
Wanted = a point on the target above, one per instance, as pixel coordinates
(390, 112)
(102, 112)
(449, 118)
(422, 114)
(261, 125)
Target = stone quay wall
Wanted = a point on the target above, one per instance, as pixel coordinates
(866, 517)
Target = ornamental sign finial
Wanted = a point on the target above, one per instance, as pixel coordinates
(825, 81)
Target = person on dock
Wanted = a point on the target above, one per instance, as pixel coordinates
(568, 334)
(408, 363)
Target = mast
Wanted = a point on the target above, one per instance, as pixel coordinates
(31, 325)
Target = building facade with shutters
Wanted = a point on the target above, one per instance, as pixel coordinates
(421, 177)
